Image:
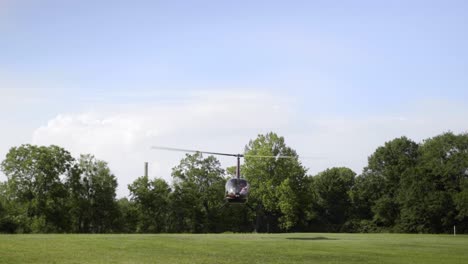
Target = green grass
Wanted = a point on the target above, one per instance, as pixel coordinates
(234, 248)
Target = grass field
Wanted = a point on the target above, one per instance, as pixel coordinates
(234, 248)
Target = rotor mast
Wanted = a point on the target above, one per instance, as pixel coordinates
(238, 165)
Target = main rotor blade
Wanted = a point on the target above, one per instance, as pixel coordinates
(281, 157)
(264, 156)
(195, 151)
(233, 155)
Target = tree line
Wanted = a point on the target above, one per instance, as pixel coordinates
(406, 187)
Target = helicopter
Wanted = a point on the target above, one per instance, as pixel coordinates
(237, 189)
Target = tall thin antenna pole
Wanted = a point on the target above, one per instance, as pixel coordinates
(146, 169)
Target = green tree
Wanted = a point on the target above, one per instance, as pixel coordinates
(93, 195)
(330, 190)
(77, 201)
(128, 216)
(8, 223)
(198, 194)
(461, 204)
(151, 198)
(35, 176)
(278, 185)
(376, 192)
(432, 194)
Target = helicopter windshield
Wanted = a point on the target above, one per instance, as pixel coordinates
(237, 189)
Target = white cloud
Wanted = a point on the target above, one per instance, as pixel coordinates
(349, 141)
(122, 135)
(226, 121)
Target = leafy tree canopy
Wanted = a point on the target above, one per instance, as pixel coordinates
(277, 184)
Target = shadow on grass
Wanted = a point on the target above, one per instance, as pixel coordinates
(310, 238)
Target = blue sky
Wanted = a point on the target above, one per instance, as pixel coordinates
(318, 65)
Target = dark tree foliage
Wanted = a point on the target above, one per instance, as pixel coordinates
(405, 187)
(375, 195)
(36, 187)
(151, 199)
(8, 223)
(129, 217)
(278, 185)
(197, 196)
(461, 205)
(92, 189)
(331, 201)
(432, 194)
(49, 191)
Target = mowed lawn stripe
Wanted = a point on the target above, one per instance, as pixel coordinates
(234, 248)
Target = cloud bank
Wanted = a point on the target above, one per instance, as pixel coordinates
(225, 121)
(123, 134)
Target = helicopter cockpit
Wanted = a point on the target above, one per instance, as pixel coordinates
(237, 190)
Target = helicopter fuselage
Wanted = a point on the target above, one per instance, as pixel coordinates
(237, 190)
